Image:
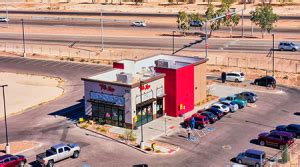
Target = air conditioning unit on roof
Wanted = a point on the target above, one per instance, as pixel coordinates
(164, 63)
(124, 77)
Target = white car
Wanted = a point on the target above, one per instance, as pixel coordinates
(221, 107)
(232, 106)
(139, 24)
(235, 76)
(4, 19)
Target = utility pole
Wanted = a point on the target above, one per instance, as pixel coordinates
(206, 44)
(7, 147)
(24, 50)
(273, 36)
(141, 111)
(243, 18)
(173, 42)
(6, 3)
(102, 45)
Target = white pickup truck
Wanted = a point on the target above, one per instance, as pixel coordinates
(57, 153)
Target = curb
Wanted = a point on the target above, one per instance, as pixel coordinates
(143, 151)
(113, 139)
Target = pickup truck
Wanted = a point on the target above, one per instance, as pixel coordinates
(57, 153)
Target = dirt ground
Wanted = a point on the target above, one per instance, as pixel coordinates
(25, 91)
(143, 8)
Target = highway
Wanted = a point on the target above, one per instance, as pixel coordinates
(61, 13)
(120, 24)
(244, 45)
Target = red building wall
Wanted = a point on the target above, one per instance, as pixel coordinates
(185, 89)
(179, 89)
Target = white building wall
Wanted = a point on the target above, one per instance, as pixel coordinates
(135, 95)
(119, 91)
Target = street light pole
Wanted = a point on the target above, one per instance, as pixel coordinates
(273, 36)
(243, 18)
(7, 147)
(141, 111)
(6, 12)
(173, 42)
(102, 47)
(206, 45)
(165, 116)
(24, 50)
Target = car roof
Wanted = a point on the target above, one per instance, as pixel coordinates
(58, 145)
(295, 125)
(252, 151)
(236, 72)
(281, 133)
(5, 156)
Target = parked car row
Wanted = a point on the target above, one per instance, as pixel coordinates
(279, 138)
(235, 76)
(217, 110)
(54, 154)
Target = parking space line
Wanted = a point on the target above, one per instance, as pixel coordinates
(14, 60)
(6, 59)
(22, 61)
(48, 63)
(57, 64)
(32, 61)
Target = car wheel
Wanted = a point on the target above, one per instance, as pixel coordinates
(293, 49)
(199, 127)
(76, 154)
(22, 164)
(236, 80)
(239, 161)
(255, 83)
(257, 165)
(281, 147)
(281, 49)
(262, 143)
(50, 163)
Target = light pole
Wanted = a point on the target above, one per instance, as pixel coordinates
(24, 50)
(206, 45)
(102, 47)
(273, 61)
(6, 12)
(173, 42)
(7, 147)
(141, 111)
(165, 116)
(243, 18)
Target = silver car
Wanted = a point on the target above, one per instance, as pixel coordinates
(232, 106)
(288, 46)
(138, 24)
(235, 76)
(252, 157)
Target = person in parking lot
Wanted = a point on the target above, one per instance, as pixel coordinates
(193, 123)
(188, 130)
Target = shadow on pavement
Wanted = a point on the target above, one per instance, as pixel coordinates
(140, 165)
(233, 160)
(254, 141)
(297, 113)
(34, 164)
(73, 112)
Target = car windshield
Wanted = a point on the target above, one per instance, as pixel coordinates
(205, 119)
(223, 106)
(232, 103)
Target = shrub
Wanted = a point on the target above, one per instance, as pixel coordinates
(129, 135)
(71, 59)
(285, 155)
(85, 126)
(61, 58)
(82, 60)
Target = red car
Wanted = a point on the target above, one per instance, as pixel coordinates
(276, 138)
(12, 160)
(200, 121)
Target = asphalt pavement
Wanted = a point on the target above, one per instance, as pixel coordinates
(232, 135)
(163, 42)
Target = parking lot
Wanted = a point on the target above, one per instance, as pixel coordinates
(231, 135)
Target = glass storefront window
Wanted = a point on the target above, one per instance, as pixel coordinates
(108, 114)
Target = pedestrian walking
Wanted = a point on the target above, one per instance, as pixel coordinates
(193, 123)
(188, 130)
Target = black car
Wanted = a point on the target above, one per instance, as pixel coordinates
(292, 128)
(212, 117)
(196, 23)
(216, 112)
(266, 81)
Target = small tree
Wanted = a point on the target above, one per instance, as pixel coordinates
(231, 22)
(264, 17)
(183, 21)
(285, 154)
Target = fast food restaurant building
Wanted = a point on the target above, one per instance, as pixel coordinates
(139, 91)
